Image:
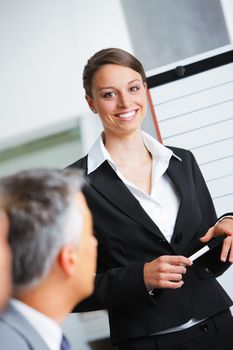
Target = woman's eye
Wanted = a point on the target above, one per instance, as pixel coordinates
(109, 94)
(134, 88)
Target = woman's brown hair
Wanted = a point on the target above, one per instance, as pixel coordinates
(109, 56)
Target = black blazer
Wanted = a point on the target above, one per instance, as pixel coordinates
(127, 238)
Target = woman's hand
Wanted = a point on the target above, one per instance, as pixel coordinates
(224, 227)
(166, 272)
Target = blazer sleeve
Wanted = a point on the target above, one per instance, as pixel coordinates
(118, 287)
(211, 261)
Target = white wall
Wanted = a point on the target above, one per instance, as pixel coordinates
(44, 46)
(227, 6)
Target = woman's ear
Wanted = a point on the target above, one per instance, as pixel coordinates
(90, 103)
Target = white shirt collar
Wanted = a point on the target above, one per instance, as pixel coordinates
(48, 329)
(98, 153)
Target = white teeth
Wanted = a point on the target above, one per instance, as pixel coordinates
(127, 115)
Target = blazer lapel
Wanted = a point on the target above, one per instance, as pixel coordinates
(174, 171)
(186, 220)
(106, 181)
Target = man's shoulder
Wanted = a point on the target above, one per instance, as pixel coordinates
(16, 332)
(10, 338)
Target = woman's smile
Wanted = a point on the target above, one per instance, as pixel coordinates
(127, 115)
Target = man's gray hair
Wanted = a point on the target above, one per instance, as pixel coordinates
(40, 205)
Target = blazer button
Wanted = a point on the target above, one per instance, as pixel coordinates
(204, 327)
(178, 238)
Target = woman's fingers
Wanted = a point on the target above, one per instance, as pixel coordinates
(175, 260)
(172, 277)
(170, 284)
(209, 234)
(166, 271)
(227, 249)
(173, 285)
(176, 269)
(224, 227)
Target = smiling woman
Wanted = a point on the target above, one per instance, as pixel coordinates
(119, 97)
(151, 208)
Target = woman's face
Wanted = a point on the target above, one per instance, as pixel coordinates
(119, 97)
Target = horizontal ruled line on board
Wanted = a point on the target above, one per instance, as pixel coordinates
(193, 93)
(223, 195)
(219, 177)
(211, 143)
(193, 111)
(198, 128)
(215, 160)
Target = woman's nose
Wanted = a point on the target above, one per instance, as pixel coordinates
(124, 100)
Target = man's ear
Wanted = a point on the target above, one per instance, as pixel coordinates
(90, 103)
(67, 259)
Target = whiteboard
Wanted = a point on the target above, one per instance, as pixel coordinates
(195, 111)
(193, 105)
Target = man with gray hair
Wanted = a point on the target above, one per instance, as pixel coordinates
(54, 256)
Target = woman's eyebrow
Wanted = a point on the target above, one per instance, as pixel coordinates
(112, 87)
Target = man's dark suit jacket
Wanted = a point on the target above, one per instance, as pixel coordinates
(127, 238)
